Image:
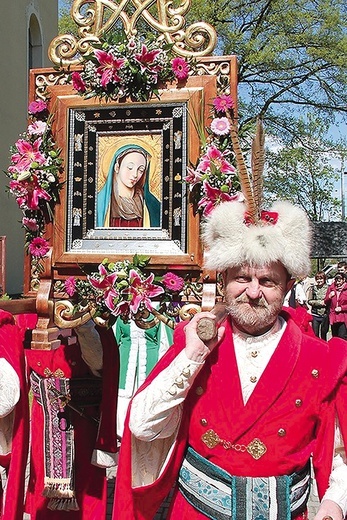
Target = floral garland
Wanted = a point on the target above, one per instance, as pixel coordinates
(123, 67)
(214, 179)
(34, 172)
(123, 289)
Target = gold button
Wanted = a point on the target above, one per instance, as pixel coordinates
(203, 422)
(186, 372)
(179, 381)
(315, 373)
(281, 432)
(172, 390)
(199, 390)
(254, 353)
(298, 403)
(253, 379)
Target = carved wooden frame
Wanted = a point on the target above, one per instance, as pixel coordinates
(93, 245)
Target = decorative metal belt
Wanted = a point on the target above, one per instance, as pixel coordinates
(255, 448)
(221, 496)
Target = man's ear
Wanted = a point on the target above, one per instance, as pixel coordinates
(290, 284)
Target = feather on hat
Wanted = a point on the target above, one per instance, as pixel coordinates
(237, 233)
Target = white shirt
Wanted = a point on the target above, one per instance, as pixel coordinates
(9, 397)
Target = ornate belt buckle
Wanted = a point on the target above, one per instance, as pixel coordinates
(210, 438)
(256, 448)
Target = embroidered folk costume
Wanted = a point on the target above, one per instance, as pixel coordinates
(234, 438)
(73, 426)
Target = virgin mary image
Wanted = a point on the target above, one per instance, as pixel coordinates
(125, 199)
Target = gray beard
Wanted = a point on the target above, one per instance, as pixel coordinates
(255, 317)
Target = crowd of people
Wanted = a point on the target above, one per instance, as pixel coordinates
(229, 426)
(325, 299)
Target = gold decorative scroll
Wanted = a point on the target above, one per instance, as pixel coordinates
(65, 316)
(95, 18)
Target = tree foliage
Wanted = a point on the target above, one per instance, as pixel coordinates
(302, 172)
(291, 55)
(292, 70)
(66, 24)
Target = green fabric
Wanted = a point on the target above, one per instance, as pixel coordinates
(130, 341)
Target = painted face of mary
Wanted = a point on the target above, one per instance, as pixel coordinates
(129, 171)
(125, 200)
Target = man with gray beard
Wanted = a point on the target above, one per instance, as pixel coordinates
(233, 423)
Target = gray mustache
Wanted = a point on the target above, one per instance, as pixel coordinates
(259, 302)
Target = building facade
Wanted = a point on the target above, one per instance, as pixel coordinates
(27, 28)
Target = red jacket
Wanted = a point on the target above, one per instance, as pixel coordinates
(11, 348)
(291, 410)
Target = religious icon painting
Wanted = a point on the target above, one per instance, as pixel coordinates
(124, 165)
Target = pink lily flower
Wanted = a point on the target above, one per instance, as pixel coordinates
(216, 159)
(105, 282)
(111, 297)
(28, 153)
(122, 308)
(109, 67)
(141, 291)
(193, 177)
(35, 194)
(147, 57)
(29, 193)
(213, 197)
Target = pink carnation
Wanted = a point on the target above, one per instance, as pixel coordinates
(35, 107)
(78, 83)
(70, 285)
(173, 282)
(223, 103)
(180, 68)
(39, 247)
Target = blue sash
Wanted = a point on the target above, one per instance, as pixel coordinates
(221, 496)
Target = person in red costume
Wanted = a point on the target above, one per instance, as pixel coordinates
(336, 301)
(231, 424)
(73, 426)
(14, 418)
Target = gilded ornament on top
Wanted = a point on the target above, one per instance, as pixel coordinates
(96, 18)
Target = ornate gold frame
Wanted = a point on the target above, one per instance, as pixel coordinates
(199, 91)
(94, 18)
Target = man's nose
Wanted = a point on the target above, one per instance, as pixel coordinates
(253, 289)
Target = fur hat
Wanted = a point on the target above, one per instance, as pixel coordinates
(283, 234)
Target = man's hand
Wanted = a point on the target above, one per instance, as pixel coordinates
(329, 510)
(196, 349)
